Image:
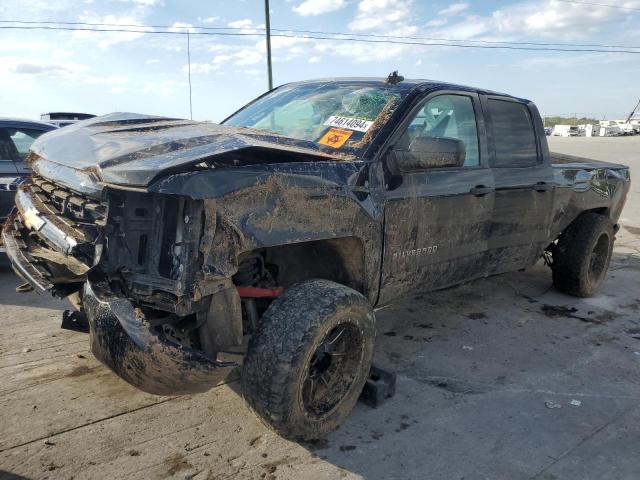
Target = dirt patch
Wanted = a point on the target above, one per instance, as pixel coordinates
(81, 370)
(271, 467)
(176, 463)
(320, 444)
(476, 315)
(633, 230)
(456, 386)
(403, 426)
(554, 311)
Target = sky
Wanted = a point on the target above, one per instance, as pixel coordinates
(103, 72)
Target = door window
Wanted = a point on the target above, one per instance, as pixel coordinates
(22, 139)
(7, 148)
(446, 116)
(513, 133)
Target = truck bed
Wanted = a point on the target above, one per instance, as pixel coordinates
(574, 161)
(583, 184)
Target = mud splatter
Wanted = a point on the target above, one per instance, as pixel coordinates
(176, 463)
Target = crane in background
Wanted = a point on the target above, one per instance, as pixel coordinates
(633, 112)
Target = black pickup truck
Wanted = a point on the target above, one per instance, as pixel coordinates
(268, 240)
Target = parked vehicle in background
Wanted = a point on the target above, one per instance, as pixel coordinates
(16, 136)
(281, 229)
(589, 130)
(62, 119)
(627, 128)
(610, 128)
(566, 131)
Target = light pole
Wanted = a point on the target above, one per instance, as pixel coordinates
(268, 32)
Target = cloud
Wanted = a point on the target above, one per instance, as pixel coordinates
(244, 23)
(550, 18)
(182, 27)
(106, 39)
(35, 68)
(151, 61)
(199, 68)
(141, 3)
(454, 9)
(68, 71)
(385, 15)
(571, 61)
(164, 88)
(249, 56)
(318, 7)
(315, 59)
(208, 19)
(254, 72)
(148, 3)
(437, 22)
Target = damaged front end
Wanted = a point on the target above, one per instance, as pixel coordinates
(136, 260)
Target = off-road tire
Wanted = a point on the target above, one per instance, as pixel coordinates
(280, 354)
(582, 254)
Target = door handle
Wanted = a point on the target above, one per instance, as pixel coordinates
(481, 190)
(541, 187)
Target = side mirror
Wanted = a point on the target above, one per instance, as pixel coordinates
(430, 152)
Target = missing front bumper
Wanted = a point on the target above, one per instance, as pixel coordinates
(130, 347)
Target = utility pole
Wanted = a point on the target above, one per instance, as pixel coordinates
(189, 64)
(267, 23)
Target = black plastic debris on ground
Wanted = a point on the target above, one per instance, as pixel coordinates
(75, 320)
(380, 386)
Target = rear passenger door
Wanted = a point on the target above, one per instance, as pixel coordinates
(523, 182)
(437, 218)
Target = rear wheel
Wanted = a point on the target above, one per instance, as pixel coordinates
(309, 359)
(581, 257)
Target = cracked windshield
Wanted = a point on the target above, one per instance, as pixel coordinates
(338, 116)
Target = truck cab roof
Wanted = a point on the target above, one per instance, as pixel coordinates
(409, 85)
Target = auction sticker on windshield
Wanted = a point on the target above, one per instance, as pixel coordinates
(335, 137)
(348, 122)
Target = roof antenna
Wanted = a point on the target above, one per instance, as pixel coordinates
(394, 78)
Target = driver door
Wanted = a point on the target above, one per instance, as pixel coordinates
(437, 218)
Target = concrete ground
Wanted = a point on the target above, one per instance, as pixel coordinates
(502, 378)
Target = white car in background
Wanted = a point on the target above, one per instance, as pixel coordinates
(566, 131)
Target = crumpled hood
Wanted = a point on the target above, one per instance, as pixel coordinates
(132, 150)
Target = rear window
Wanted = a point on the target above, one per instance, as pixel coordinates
(513, 133)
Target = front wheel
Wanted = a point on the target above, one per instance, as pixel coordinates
(581, 257)
(309, 359)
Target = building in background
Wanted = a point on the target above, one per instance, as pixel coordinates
(61, 119)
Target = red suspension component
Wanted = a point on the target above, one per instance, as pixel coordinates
(255, 292)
